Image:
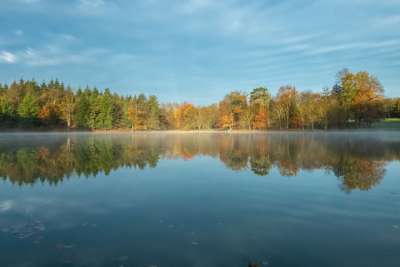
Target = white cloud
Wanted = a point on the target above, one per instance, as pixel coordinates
(225, 18)
(55, 56)
(295, 39)
(355, 45)
(7, 57)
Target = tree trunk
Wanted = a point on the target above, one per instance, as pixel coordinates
(287, 122)
(232, 120)
(69, 119)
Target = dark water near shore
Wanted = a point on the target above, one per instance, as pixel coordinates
(209, 199)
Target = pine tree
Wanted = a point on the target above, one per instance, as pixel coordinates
(28, 109)
(105, 116)
(153, 121)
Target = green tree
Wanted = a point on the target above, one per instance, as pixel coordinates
(82, 108)
(360, 97)
(6, 109)
(28, 109)
(104, 118)
(153, 117)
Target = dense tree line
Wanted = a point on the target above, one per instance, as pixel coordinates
(28, 104)
(392, 107)
(358, 162)
(356, 100)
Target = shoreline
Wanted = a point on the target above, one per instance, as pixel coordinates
(211, 131)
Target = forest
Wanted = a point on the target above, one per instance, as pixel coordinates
(355, 100)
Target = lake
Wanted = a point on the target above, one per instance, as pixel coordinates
(200, 199)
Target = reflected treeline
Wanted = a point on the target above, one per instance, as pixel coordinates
(358, 160)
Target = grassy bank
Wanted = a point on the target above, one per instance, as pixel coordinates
(390, 123)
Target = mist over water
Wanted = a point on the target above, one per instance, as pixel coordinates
(200, 199)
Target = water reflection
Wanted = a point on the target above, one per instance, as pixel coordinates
(358, 160)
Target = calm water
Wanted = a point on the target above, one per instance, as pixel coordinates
(279, 199)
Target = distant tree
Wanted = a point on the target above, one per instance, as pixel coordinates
(208, 117)
(259, 108)
(310, 109)
(153, 121)
(360, 96)
(119, 120)
(95, 105)
(82, 108)
(138, 113)
(67, 107)
(394, 108)
(7, 112)
(28, 109)
(286, 103)
(186, 117)
(168, 116)
(232, 110)
(106, 109)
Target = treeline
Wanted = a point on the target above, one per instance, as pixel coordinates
(356, 100)
(359, 163)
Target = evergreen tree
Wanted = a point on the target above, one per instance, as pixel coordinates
(82, 107)
(106, 108)
(28, 109)
(153, 121)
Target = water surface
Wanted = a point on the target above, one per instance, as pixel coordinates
(208, 199)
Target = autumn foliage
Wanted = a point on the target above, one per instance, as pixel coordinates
(355, 100)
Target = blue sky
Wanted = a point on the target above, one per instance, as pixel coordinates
(199, 50)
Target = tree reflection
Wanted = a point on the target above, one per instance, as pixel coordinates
(359, 173)
(358, 161)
